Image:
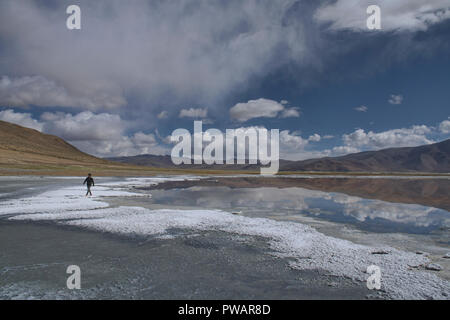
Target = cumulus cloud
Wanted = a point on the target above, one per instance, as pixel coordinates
(395, 99)
(139, 143)
(362, 140)
(22, 119)
(361, 109)
(101, 134)
(84, 126)
(290, 113)
(315, 137)
(291, 144)
(261, 108)
(405, 137)
(293, 141)
(294, 147)
(444, 127)
(39, 91)
(255, 109)
(396, 15)
(342, 150)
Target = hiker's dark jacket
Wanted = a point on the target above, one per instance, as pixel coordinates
(89, 181)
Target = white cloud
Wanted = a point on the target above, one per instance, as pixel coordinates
(142, 139)
(255, 109)
(39, 91)
(101, 134)
(362, 109)
(151, 51)
(139, 143)
(261, 108)
(360, 140)
(315, 138)
(161, 52)
(292, 141)
(294, 147)
(342, 150)
(290, 113)
(291, 144)
(84, 126)
(444, 127)
(105, 134)
(396, 15)
(22, 119)
(405, 137)
(193, 113)
(395, 99)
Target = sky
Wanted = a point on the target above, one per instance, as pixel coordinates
(137, 70)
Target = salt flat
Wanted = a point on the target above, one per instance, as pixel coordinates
(302, 246)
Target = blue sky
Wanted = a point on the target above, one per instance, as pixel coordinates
(138, 70)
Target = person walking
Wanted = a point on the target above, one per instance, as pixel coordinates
(89, 181)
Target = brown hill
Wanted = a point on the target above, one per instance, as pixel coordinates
(427, 158)
(19, 145)
(25, 151)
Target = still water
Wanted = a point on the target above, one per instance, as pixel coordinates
(366, 214)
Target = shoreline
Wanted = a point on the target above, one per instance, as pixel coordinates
(122, 170)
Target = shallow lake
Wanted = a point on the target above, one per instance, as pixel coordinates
(367, 214)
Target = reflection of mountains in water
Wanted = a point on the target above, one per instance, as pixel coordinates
(427, 192)
(375, 215)
(382, 205)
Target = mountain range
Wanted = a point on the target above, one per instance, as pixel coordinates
(23, 147)
(433, 158)
(427, 158)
